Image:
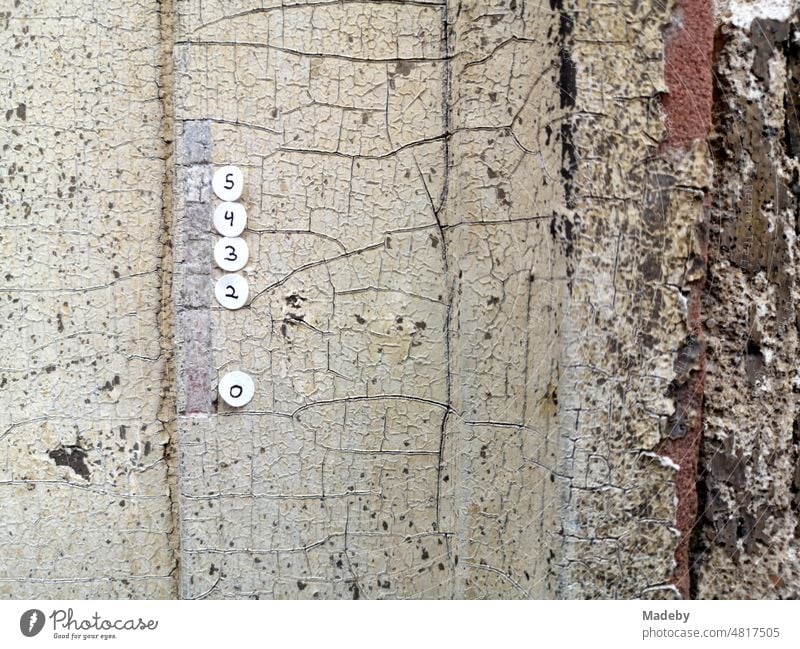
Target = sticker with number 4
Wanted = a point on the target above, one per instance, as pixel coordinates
(232, 291)
(230, 219)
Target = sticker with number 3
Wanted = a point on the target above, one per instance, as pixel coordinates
(232, 291)
(228, 183)
(230, 219)
(231, 253)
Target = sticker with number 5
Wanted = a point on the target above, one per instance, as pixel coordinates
(228, 183)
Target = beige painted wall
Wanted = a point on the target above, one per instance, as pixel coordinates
(452, 398)
(85, 414)
(400, 192)
(473, 269)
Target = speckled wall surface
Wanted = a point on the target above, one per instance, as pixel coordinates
(496, 321)
(85, 414)
(400, 188)
(748, 537)
(467, 301)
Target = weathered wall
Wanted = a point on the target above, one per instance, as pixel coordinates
(520, 321)
(747, 539)
(637, 199)
(400, 188)
(469, 301)
(84, 411)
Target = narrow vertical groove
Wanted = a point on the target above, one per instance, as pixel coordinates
(567, 90)
(567, 99)
(167, 412)
(443, 235)
(446, 104)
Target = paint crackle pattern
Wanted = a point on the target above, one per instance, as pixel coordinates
(494, 300)
(84, 421)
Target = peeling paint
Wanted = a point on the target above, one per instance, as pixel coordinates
(84, 344)
(747, 532)
(510, 337)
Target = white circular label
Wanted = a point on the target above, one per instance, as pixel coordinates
(230, 219)
(236, 389)
(228, 183)
(232, 291)
(231, 253)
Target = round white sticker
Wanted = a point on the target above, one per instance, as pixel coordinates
(236, 389)
(230, 219)
(231, 253)
(228, 183)
(232, 291)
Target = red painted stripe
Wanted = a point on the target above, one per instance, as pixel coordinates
(688, 61)
(688, 52)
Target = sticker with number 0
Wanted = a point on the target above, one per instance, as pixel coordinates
(228, 183)
(230, 219)
(232, 291)
(236, 389)
(231, 253)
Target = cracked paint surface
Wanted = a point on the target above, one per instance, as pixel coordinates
(400, 183)
(638, 248)
(83, 477)
(469, 274)
(472, 327)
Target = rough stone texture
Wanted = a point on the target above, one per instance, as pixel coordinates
(83, 350)
(747, 538)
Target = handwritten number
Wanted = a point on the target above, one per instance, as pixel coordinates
(228, 181)
(232, 256)
(231, 292)
(229, 217)
(239, 390)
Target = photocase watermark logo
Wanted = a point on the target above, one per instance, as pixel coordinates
(31, 622)
(66, 625)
